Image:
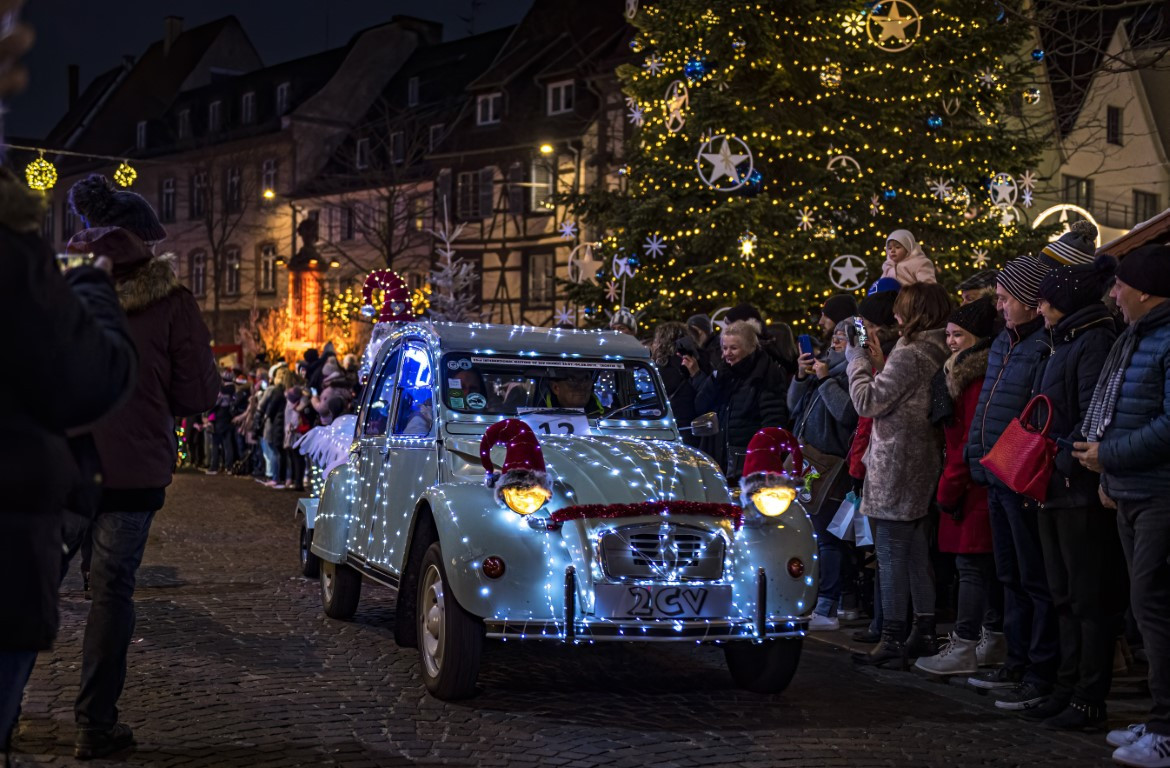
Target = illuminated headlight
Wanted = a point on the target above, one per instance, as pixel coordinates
(525, 500)
(773, 501)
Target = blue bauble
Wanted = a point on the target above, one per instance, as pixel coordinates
(695, 68)
(589, 310)
(1038, 55)
(890, 194)
(601, 274)
(934, 122)
(634, 262)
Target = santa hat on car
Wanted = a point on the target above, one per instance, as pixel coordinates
(523, 460)
(763, 466)
(396, 305)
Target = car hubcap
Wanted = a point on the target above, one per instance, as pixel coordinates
(432, 616)
(327, 582)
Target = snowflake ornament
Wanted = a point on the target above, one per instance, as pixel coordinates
(941, 188)
(981, 258)
(611, 290)
(1027, 180)
(654, 246)
(653, 64)
(987, 77)
(1026, 200)
(806, 219)
(564, 316)
(637, 116)
(568, 230)
(854, 24)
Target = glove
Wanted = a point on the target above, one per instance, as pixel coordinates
(955, 511)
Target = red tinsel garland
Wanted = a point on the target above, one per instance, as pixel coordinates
(609, 511)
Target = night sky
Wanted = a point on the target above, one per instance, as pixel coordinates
(96, 34)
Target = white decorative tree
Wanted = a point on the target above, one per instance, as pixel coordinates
(453, 283)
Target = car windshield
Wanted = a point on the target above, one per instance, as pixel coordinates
(503, 385)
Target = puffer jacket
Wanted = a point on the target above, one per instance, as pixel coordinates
(1013, 368)
(822, 412)
(903, 460)
(747, 396)
(971, 533)
(1135, 449)
(1080, 344)
(912, 269)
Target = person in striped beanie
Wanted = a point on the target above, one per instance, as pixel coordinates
(1077, 246)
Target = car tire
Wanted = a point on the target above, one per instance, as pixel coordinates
(450, 640)
(310, 563)
(341, 588)
(766, 667)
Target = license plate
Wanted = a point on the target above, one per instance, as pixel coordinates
(620, 601)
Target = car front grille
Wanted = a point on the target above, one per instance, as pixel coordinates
(662, 551)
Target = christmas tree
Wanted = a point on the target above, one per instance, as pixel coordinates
(776, 145)
(453, 283)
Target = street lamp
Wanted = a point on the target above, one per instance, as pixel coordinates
(269, 194)
(546, 148)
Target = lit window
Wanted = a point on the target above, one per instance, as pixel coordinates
(489, 108)
(560, 97)
(543, 186)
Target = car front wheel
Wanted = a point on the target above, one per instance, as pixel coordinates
(766, 667)
(341, 588)
(450, 640)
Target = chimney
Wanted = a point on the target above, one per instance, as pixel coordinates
(74, 83)
(172, 28)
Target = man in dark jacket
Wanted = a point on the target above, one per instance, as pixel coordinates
(75, 337)
(136, 443)
(1127, 431)
(1082, 551)
(1014, 365)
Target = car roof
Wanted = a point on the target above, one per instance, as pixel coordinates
(486, 338)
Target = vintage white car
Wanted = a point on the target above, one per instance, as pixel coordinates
(602, 526)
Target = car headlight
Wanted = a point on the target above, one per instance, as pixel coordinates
(525, 500)
(774, 500)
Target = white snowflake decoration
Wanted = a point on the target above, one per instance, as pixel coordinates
(637, 116)
(611, 290)
(987, 77)
(981, 258)
(854, 23)
(654, 246)
(1027, 180)
(653, 64)
(1027, 198)
(568, 230)
(875, 205)
(941, 188)
(806, 219)
(564, 316)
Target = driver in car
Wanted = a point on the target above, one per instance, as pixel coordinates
(573, 388)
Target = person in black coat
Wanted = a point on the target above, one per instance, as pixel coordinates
(1082, 548)
(74, 334)
(670, 340)
(747, 391)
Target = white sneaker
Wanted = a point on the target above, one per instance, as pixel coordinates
(849, 614)
(818, 623)
(1150, 751)
(279, 486)
(992, 649)
(1126, 736)
(957, 657)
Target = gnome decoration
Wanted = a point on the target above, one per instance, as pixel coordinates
(396, 308)
(765, 482)
(523, 468)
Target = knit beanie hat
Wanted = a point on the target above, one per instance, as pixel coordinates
(883, 284)
(1021, 278)
(840, 307)
(1145, 270)
(1069, 288)
(1076, 246)
(879, 309)
(100, 204)
(979, 281)
(701, 322)
(976, 318)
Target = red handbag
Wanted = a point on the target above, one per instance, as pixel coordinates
(1023, 457)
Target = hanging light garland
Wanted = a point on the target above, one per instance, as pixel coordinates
(41, 174)
(125, 175)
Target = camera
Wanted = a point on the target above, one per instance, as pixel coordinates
(68, 261)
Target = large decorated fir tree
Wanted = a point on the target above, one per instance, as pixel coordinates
(776, 145)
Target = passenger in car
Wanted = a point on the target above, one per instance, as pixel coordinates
(421, 414)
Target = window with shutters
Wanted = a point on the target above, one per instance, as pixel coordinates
(266, 273)
(248, 108)
(198, 195)
(543, 186)
(516, 189)
(198, 273)
(185, 124)
(1113, 125)
(541, 275)
(282, 98)
(231, 272)
(1078, 191)
(231, 191)
(560, 97)
(489, 108)
(361, 156)
(436, 136)
(397, 146)
(418, 213)
(214, 116)
(412, 92)
(467, 195)
(166, 200)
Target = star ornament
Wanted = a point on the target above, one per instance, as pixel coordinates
(725, 163)
(847, 272)
(582, 264)
(654, 246)
(568, 230)
(893, 26)
(676, 102)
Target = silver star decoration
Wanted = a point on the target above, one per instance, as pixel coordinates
(981, 258)
(611, 290)
(564, 316)
(1027, 180)
(850, 272)
(653, 64)
(637, 116)
(941, 188)
(724, 163)
(654, 246)
(806, 219)
(568, 230)
(582, 265)
(875, 205)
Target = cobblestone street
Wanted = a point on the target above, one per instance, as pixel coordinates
(234, 664)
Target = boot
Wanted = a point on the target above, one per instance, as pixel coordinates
(890, 650)
(992, 649)
(955, 658)
(923, 640)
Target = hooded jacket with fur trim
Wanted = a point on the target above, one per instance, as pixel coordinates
(971, 532)
(176, 377)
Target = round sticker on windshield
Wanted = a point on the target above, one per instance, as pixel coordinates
(453, 365)
(465, 364)
(477, 401)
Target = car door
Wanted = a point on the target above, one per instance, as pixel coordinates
(412, 451)
(377, 414)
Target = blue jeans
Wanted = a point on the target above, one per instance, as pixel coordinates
(271, 459)
(15, 668)
(1029, 620)
(119, 539)
(831, 554)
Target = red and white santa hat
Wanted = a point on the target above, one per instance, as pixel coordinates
(763, 466)
(396, 304)
(523, 460)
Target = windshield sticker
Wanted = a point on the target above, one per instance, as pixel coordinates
(454, 384)
(456, 402)
(456, 365)
(543, 363)
(476, 401)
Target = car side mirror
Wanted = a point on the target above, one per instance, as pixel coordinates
(705, 425)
